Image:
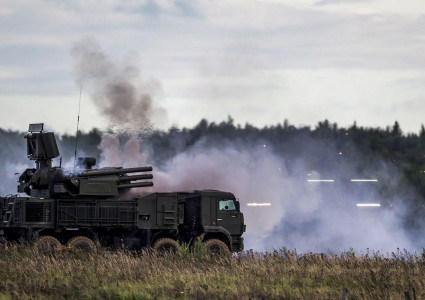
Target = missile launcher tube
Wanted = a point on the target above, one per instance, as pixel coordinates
(138, 177)
(134, 185)
(115, 171)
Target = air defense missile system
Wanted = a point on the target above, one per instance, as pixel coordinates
(85, 207)
(54, 182)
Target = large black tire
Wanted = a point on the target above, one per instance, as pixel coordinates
(82, 243)
(216, 247)
(165, 246)
(47, 244)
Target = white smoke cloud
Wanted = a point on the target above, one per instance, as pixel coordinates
(251, 176)
(113, 154)
(110, 146)
(303, 216)
(11, 172)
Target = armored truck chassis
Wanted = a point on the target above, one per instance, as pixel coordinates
(88, 206)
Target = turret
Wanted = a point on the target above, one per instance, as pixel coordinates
(47, 181)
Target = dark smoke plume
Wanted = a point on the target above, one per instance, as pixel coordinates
(129, 102)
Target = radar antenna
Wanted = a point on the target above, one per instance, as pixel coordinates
(78, 123)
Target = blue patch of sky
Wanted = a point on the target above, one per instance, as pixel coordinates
(45, 82)
(150, 8)
(31, 55)
(68, 5)
(187, 8)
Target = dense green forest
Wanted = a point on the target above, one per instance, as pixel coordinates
(395, 158)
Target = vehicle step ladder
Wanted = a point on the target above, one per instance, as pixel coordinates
(8, 210)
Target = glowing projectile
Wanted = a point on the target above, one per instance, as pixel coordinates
(259, 204)
(368, 205)
(364, 180)
(320, 180)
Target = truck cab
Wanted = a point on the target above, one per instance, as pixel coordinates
(211, 216)
(222, 218)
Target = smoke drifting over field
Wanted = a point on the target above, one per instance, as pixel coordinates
(318, 217)
(302, 215)
(307, 216)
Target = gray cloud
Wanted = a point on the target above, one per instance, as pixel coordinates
(204, 50)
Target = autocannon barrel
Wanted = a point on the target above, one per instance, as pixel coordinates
(135, 185)
(136, 177)
(116, 171)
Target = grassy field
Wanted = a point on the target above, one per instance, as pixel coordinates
(25, 273)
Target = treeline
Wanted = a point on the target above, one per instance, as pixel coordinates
(397, 159)
(332, 151)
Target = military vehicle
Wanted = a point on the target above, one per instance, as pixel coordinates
(85, 207)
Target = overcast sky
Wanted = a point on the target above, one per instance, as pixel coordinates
(260, 61)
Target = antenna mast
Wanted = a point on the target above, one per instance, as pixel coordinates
(78, 123)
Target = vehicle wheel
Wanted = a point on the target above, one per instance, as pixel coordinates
(216, 247)
(47, 244)
(82, 243)
(165, 246)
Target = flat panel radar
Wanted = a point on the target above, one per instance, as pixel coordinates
(41, 145)
(36, 127)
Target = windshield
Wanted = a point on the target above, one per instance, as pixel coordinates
(226, 204)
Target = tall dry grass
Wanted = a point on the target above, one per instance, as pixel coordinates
(25, 273)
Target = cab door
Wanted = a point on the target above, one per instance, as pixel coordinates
(229, 216)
